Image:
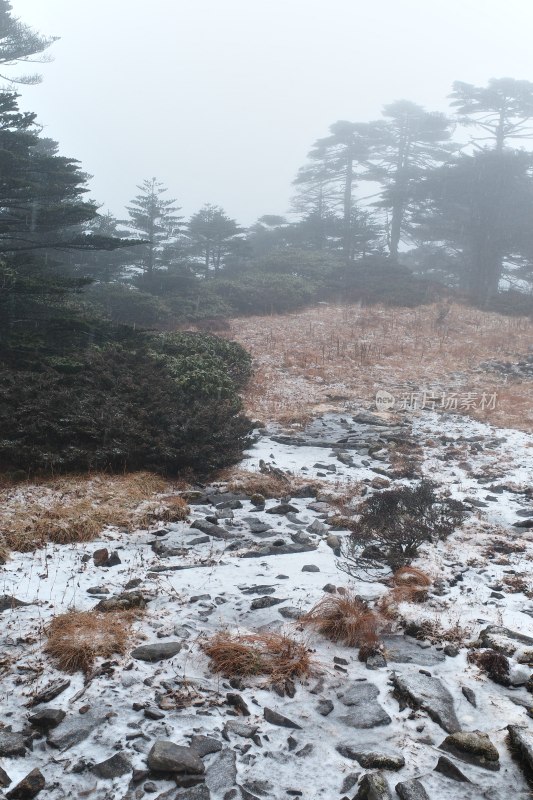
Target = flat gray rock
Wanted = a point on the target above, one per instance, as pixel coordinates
(406, 650)
(365, 711)
(166, 756)
(210, 529)
(373, 786)
(11, 744)
(158, 651)
(521, 740)
(75, 729)
(278, 719)
(411, 790)
(430, 695)
(113, 767)
(371, 759)
(221, 774)
(7, 603)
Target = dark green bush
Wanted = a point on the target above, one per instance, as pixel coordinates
(378, 280)
(126, 305)
(163, 407)
(512, 304)
(392, 526)
(266, 293)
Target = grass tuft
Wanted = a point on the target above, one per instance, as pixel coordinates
(76, 639)
(346, 619)
(277, 656)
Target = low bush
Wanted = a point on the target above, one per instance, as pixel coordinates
(346, 619)
(392, 526)
(277, 656)
(160, 403)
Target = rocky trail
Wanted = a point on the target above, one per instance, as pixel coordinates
(421, 721)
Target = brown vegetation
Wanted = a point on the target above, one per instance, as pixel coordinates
(76, 639)
(346, 619)
(308, 360)
(277, 656)
(78, 509)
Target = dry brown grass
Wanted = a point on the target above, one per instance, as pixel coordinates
(304, 360)
(409, 585)
(78, 509)
(76, 639)
(271, 485)
(346, 619)
(277, 656)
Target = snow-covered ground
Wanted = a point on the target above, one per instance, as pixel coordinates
(492, 469)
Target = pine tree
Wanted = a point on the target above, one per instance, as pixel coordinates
(19, 44)
(213, 236)
(155, 219)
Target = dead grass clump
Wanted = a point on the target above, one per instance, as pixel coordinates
(277, 656)
(76, 639)
(77, 510)
(411, 576)
(516, 584)
(493, 664)
(271, 484)
(346, 619)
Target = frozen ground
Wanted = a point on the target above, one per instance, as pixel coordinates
(492, 469)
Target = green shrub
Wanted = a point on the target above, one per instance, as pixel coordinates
(266, 293)
(126, 305)
(164, 407)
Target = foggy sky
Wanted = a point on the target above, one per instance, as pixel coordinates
(222, 99)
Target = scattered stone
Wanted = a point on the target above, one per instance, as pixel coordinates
(521, 741)
(122, 602)
(11, 744)
(503, 639)
(8, 603)
(29, 787)
(349, 782)
(265, 602)
(448, 768)
(373, 786)
(376, 661)
(406, 650)
(430, 695)
(204, 745)
(278, 719)
(470, 695)
(310, 568)
(411, 790)
(263, 590)
(166, 756)
(221, 774)
(367, 712)
(75, 729)
(100, 556)
(98, 590)
(237, 701)
(50, 692)
(158, 651)
(371, 759)
(325, 707)
(451, 650)
(113, 767)
(290, 612)
(474, 748)
(317, 528)
(5, 780)
(153, 713)
(47, 718)
(279, 548)
(282, 509)
(333, 541)
(239, 729)
(258, 500)
(330, 588)
(199, 792)
(210, 529)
